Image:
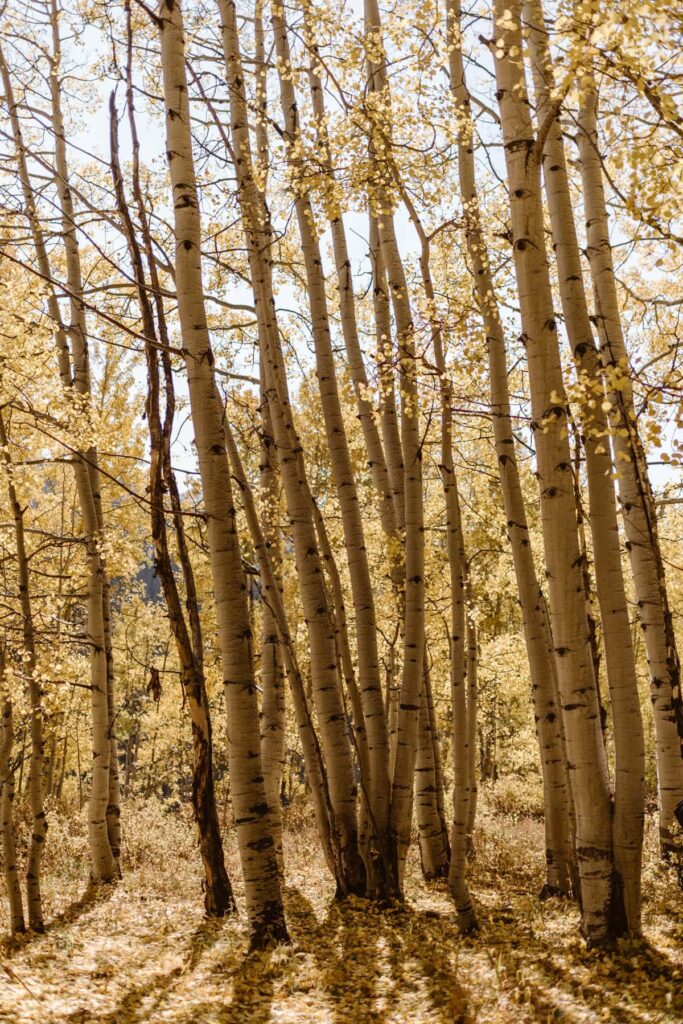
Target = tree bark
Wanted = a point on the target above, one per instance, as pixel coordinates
(635, 490)
(602, 916)
(29, 670)
(253, 819)
(429, 811)
(319, 619)
(9, 856)
(556, 794)
(629, 743)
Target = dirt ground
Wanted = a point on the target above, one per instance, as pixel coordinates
(142, 951)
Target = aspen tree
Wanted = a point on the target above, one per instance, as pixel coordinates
(317, 611)
(635, 491)
(252, 813)
(9, 854)
(429, 810)
(104, 810)
(556, 795)
(186, 629)
(376, 783)
(271, 666)
(602, 914)
(103, 864)
(272, 596)
(29, 669)
(391, 438)
(381, 204)
(629, 744)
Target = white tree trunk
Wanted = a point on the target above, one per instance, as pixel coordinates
(629, 743)
(556, 795)
(635, 491)
(583, 733)
(251, 809)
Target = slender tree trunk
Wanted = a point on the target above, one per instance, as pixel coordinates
(252, 813)
(429, 811)
(629, 743)
(272, 669)
(411, 445)
(635, 491)
(376, 783)
(319, 620)
(602, 915)
(218, 899)
(9, 857)
(388, 415)
(472, 700)
(104, 867)
(29, 669)
(49, 772)
(556, 794)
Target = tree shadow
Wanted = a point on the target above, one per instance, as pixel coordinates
(92, 895)
(374, 960)
(138, 1003)
(344, 947)
(423, 947)
(204, 937)
(142, 1000)
(563, 981)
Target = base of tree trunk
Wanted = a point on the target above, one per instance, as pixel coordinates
(434, 875)
(467, 922)
(270, 930)
(218, 899)
(550, 891)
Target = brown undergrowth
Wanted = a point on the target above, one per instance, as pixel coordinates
(142, 951)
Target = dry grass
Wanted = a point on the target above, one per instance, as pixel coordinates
(142, 951)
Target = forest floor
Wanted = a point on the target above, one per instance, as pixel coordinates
(142, 951)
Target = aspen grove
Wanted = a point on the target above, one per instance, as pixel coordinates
(341, 510)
